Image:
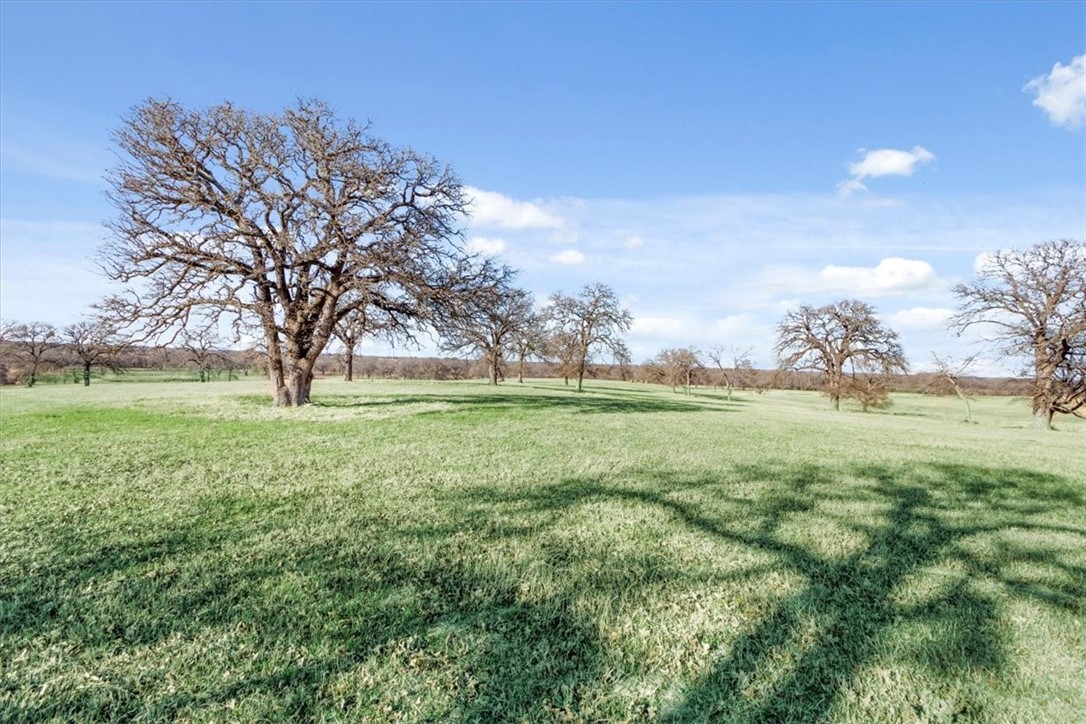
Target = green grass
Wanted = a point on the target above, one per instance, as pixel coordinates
(451, 552)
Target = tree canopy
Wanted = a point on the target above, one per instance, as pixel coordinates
(1033, 302)
(582, 325)
(282, 224)
(839, 339)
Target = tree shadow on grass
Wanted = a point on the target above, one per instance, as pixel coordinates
(588, 403)
(319, 617)
(855, 597)
(309, 616)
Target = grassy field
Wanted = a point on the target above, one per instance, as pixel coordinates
(451, 552)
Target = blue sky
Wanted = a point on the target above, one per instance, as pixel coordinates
(717, 164)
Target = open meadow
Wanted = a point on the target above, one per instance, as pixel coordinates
(458, 552)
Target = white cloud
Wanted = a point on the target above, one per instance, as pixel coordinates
(920, 318)
(484, 245)
(1062, 93)
(490, 209)
(891, 276)
(569, 257)
(634, 242)
(883, 162)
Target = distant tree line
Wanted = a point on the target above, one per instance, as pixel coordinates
(308, 233)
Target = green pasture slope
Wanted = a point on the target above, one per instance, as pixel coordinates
(451, 552)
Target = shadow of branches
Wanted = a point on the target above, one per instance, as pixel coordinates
(324, 610)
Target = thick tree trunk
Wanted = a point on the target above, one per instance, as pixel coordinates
(348, 366)
(86, 374)
(1042, 418)
(520, 371)
(492, 370)
(295, 389)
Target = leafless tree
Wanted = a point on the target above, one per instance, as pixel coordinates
(560, 349)
(583, 324)
(282, 222)
(32, 344)
(948, 378)
(838, 339)
(871, 390)
(679, 366)
(203, 348)
(529, 341)
(92, 344)
(487, 323)
(361, 320)
(1033, 302)
(734, 365)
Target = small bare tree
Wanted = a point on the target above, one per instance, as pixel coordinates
(487, 323)
(33, 344)
(529, 341)
(203, 349)
(1034, 304)
(680, 367)
(947, 378)
(734, 365)
(585, 323)
(92, 344)
(836, 340)
(362, 320)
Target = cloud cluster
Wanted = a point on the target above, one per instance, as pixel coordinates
(889, 277)
(1062, 93)
(883, 162)
(490, 209)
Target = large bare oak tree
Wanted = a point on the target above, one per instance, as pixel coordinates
(1034, 303)
(282, 223)
(841, 339)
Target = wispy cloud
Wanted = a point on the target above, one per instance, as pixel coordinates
(1062, 93)
(569, 257)
(490, 209)
(883, 162)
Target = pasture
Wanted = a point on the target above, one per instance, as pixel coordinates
(455, 552)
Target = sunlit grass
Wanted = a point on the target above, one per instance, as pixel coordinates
(451, 552)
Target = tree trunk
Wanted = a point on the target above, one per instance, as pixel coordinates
(86, 374)
(492, 370)
(520, 370)
(348, 365)
(295, 390)
(1042, 418)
